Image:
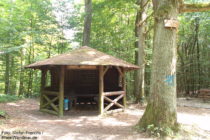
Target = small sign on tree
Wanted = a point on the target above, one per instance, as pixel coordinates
(171, 23)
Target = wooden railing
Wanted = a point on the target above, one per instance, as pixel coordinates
(48, 92)
(112, 102)
(50, 102)
(112, 93)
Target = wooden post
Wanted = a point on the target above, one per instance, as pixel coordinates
(61, 90)
(43, 83)
(124, 87)
(101, 90)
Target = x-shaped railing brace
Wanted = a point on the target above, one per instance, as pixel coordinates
(51, 103)
(113, 102)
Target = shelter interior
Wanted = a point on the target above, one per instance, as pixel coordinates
(82, 86)
(81, 81)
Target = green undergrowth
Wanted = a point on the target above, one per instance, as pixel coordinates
(8, 98)
(158, 132)
(184, 132)
(3, 114)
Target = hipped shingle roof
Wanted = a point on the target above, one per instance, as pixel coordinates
(84, 56)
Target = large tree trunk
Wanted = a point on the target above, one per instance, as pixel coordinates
(87, 23)
(140, 46)
(161, 108)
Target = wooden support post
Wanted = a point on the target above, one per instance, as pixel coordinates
(61, 90)
(43, 83)
(124, 87)
(101, 90)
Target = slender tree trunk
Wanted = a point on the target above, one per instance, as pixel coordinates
(7, 74)
(198, 52)
(31, 74)
(31, 57)
(20, 92)
(140, 46)
(208, 69)
(161, 108)
(186, 69)
(12, 76)
(49, 48)
(87, 23)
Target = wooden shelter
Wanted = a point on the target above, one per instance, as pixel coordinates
(83, 73)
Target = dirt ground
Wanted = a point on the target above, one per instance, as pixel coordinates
(26, 121)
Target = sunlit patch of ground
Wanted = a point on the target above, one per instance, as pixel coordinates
(194, 117)
(87, 125)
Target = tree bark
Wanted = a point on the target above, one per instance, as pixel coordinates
(140, 54)
(161, 108)
(87, 23)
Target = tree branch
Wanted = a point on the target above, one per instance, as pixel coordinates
(145, 4)
(140, 23)
(199, 7)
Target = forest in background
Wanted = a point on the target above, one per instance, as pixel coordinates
(30, 31)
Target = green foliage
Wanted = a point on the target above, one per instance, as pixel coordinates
(2, 113)
(112, 30)
(29, 32)
(193, 53)
(155, 131)
(8, 98)
(35, 33)
(159, 131)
